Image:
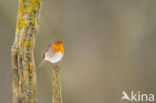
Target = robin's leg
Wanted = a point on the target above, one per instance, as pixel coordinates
(54, 65)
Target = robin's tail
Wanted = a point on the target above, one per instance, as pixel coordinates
(42, 62)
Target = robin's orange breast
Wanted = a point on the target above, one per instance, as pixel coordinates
(58, 48)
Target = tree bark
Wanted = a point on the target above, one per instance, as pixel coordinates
(23, 66)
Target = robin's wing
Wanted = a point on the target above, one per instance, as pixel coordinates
(45, 50)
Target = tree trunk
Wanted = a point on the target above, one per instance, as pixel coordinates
(23, 66)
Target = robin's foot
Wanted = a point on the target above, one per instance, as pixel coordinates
(54, 65)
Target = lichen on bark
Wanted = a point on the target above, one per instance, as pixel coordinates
(23, 66)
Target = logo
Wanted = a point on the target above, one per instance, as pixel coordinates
(137, 97)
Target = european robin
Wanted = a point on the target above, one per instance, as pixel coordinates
(53, 53)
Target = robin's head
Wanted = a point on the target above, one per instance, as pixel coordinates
(59, 42)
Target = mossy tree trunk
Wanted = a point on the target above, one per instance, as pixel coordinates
(23, 66)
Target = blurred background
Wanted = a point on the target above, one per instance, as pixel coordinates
(110, 46)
